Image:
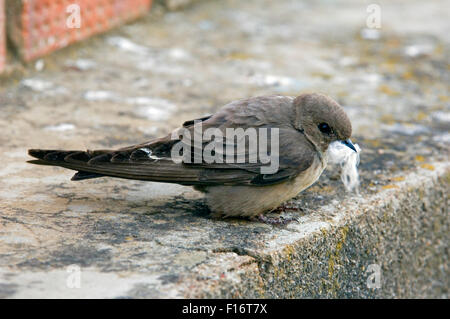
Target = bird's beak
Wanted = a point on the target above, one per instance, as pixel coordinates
(349, 144)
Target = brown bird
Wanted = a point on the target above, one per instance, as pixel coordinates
(302, 127)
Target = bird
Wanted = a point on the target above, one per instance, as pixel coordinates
(305, 126)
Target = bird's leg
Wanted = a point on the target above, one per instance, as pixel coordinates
(274, 221)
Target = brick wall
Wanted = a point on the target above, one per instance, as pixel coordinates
(38, 27)
(2, 36)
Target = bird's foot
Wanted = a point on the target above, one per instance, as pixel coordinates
(286, 208)
(279, 221)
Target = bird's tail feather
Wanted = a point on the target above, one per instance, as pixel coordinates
(135, 163)
(121, 164)
(55, 157)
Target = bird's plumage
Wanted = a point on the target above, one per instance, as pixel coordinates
(301, 154)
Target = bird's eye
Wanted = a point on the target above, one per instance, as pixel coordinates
(324, 128)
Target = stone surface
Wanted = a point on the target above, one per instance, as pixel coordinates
(135, 239)
(176, 4)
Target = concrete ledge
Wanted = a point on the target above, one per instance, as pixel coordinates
(134, 239)
(404, 230)
(176, 4)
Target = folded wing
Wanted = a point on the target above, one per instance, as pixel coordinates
(153, 161)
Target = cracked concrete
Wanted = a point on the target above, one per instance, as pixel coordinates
(138, 240)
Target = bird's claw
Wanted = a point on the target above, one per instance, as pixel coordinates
(284, 208)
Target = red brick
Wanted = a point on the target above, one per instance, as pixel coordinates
(38, 27)
(2, 36)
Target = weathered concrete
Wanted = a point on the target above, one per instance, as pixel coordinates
(176, 4)
(134, 239)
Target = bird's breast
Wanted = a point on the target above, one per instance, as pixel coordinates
(253, 200)
(308, 176)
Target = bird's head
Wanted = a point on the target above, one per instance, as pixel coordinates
(322, 120)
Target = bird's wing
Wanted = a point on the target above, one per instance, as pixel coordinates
(153, 160)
